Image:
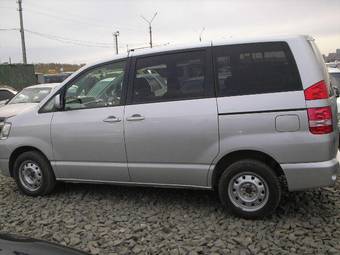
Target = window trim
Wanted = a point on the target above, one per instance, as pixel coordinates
(209, 88)
(235, 50)
(63, 89)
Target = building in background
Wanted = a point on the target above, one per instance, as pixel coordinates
(334, 56)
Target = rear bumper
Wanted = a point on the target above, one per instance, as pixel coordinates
(301, 176)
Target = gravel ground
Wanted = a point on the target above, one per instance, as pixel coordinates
(103, 219)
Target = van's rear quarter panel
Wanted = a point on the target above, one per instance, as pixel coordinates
(248, 123)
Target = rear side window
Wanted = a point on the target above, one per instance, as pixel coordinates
(169, 77)
(255, 69)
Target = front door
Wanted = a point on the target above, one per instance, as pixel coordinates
(87, 136)
(171, 127)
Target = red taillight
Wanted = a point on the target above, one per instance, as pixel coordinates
(317, 91)
(320, 120)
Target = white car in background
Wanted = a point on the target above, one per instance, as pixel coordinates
(334, 75)
(6, 93)
(26, 99)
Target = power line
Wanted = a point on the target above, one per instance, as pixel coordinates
(75, 20)
(52, 16)
(9, 29)
(5, 7)
(70, 41)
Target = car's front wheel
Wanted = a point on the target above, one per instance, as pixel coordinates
(33, 174)
(249, 189)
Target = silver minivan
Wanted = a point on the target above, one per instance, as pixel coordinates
(242, 117)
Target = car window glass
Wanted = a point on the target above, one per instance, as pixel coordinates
(4, 95)
(30, 95)
(335, 79)
(254, 69)
(169, 77)
(99, 87)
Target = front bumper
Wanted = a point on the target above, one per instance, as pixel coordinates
(4, 167)
(5, 153)
(301, 176)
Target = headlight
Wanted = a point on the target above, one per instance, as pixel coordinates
(5, 131)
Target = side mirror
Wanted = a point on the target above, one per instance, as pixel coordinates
(336, 90)
(57, 102)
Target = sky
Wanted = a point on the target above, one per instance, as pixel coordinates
(81, 31)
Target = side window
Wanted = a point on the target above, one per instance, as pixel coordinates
(255, 69)
(4, 94)
(176, 76)
(98, 87)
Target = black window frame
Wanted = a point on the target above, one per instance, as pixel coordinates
(209, 86)
(63, 89)
(234, 51)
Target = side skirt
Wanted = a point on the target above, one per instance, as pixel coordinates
(139, 184)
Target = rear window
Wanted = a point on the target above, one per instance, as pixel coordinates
(255, 68)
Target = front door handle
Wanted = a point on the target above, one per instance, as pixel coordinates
(112, 119)
(135, 117)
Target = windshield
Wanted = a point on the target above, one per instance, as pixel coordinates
(335, 79)
(30, 95)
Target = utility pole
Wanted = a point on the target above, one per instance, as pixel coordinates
(23, 46)
(116, 34)
(150, 27)
(200, 37)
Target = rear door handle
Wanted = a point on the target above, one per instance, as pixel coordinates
(135, 117)
(112, 119)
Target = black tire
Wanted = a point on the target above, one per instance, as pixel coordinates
(248, 169)
(47, 182)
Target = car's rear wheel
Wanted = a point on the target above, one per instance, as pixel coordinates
(249, 189)
(33, 174)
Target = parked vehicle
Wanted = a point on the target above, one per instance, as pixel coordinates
(334, 74)
(235, 117)
(12, 244)
(334, 64)
(25, 100)
(6, 93)
(56, 78)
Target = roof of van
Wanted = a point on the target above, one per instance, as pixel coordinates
(229, 41)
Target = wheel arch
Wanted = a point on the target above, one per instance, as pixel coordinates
(18, 151)
(234, 156)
